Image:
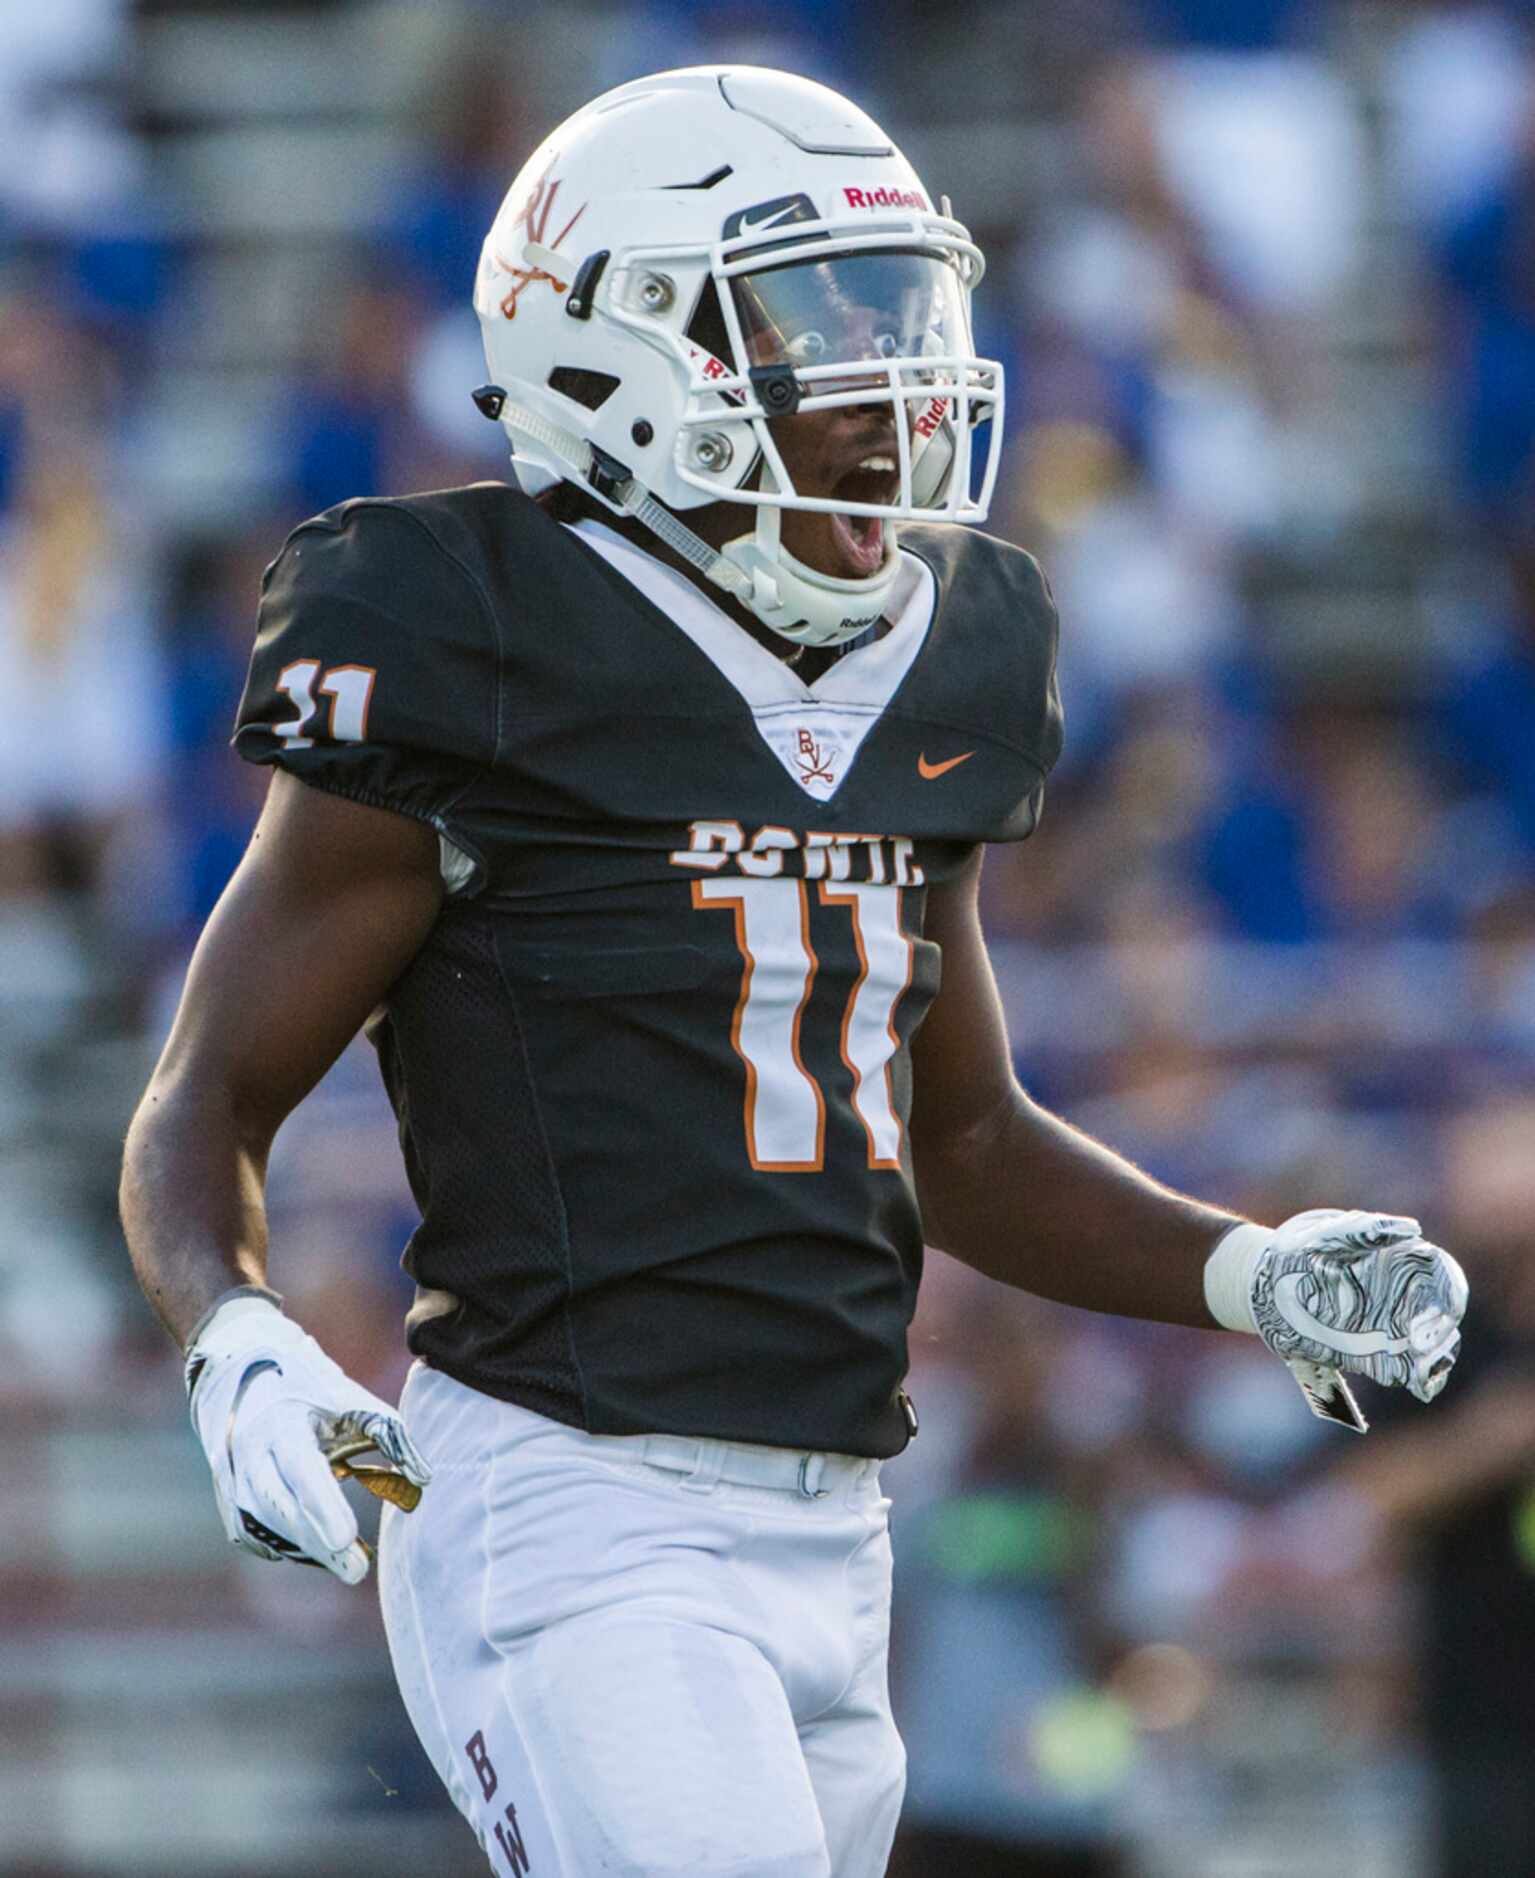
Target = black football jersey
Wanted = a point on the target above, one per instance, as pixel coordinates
(651, 1068)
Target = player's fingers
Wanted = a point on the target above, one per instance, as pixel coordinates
(270, 1518)
(1426, 1384)
(265, 1541)
(1435, 1343)
(1436, 1302)
(1361, 1232)
(1448, 1285)
(323, 1523)
(387, 1433)
(389, 1437)
(350, 1566)
(267, 1494)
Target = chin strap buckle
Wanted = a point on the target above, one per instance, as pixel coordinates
(764, 591)
(607, 475)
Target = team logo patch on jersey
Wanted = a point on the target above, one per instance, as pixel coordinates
(815, 759)
(816, 743)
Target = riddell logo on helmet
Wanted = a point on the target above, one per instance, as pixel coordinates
(931, 418)
(706, 362)
(883, 198)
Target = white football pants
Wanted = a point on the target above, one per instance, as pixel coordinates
(638, 1667)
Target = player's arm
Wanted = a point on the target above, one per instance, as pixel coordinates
(1014, 1190)
(1021, 1195)
(328, 906)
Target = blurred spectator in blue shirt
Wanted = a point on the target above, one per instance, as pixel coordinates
(1222, 25)
(207, 652)
(350, 425)
(1488, 260)
(1488, 713)
(477, 138)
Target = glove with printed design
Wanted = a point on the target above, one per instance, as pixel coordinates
(279, 1422)
(1330, 1291)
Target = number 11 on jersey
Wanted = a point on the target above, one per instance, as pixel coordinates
(785, 1105)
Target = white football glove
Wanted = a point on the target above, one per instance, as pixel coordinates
(269, 1407)
(1330, 1291)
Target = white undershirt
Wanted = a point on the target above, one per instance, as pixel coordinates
(815, 730)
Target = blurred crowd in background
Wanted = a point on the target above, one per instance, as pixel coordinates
(1262, 273)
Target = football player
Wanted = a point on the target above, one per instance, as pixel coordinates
(637, 813)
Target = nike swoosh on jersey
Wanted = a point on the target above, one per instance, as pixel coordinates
(1345, 1342)
(930, 770)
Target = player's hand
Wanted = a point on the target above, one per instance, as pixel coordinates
(1330, 1291)
(1363, 1292)
(268, 1405)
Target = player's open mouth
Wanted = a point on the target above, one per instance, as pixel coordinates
(860, 539)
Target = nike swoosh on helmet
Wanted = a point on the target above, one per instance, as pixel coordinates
(773, 218)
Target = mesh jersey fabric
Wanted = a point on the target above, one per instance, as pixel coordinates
(652, 1066)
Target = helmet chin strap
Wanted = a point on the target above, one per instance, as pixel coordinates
(806, 607)
(799, 602)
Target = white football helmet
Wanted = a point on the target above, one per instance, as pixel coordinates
(697, 255)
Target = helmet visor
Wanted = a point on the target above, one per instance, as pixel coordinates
(884, 306)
